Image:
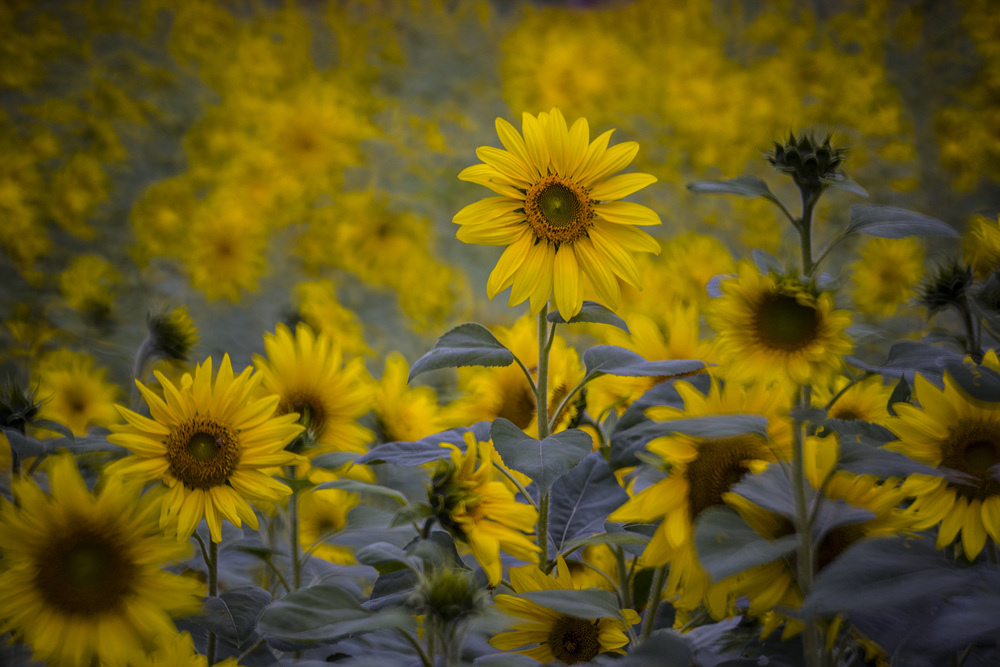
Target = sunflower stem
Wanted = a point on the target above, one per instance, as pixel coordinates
(805, 561)
(542, 417)
(424, 660)
(293, 534)
(655, 596)
(805, 232)
(625, 577)
(213, 591)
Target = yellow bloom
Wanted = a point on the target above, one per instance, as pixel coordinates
(554, 635)
(557, 213)
(469, 499)
(87, 285)
(886, 274)
(773, 329)
(308, 373)
(322, 514)
(82, 572)
(210, 444)
(405, 413)
(75, 393)
(865, 401)
(950, 430)
(317, 304)
(981, 246)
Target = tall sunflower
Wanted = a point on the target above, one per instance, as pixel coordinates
(699, 471)
(558, 213)
(554, 635)
(468, 499)
(82, 579)
(210, 444)
(775, 329)
(307, 371)
(961, 435)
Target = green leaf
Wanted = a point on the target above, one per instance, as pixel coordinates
(467, 344)
(611, 360)
(621, 539)
(722, 426)
(770, 489)
(233, 615)
(592, 603)
(839, 180)
(581, 501)
(325, 612)
(404, 453)
(591, 312)
(334, 460)
(834, 513)
(895, 223)
(884, 572)
(384, 557)
(727, 545)
(412, 513)
(908, 357)
(664, 647)
(766, 262)
(980, 382)
(862, 457)
(745, 186)
(356, 486)
(543, 461)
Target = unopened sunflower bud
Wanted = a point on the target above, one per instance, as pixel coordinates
(17, 405)
(947, 287)
(171, 335)
(811, 164)
(449, 596)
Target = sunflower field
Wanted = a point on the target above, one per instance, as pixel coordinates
(429, 333)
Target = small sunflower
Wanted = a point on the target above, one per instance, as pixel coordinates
(74, 392)
(865, 401)
(405, 413)
(307, 371)
(774, 329)
(554, 635)
(210, 444)
(323, 513)
(961, 435)
(699, 471)
(469, 499)
(557, 213)
(82, 575)
(886, 274)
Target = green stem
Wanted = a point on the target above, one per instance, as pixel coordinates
(293, 532)
(805, 233)
(213, 591)
(542, 414)
(805, 560)
(655, 596)
(424, 660)
(506, 473)
(542, 532)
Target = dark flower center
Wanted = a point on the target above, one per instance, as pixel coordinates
(202, 452)
(973, 448)
(86, 571)
(573, 640)
(836, 542)
(312, 413)
(558, 209)
(720, 464)
(783, 322)
(518, 406)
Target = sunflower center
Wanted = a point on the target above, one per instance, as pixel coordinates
(84, 572)
(558, 209)
(783, 322)
(973, 448)
(309, 406)
(202, 452)
(836, 542)
(574, 640)
(720, 464)
(518, 406)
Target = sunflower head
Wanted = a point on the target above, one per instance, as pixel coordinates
(449, 596)
(947, 287)
(811, 163)
(172, 334)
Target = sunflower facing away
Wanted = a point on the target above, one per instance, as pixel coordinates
(82, 575)
(551, 634)
(558, 213)
(210, 444)
(955, 432)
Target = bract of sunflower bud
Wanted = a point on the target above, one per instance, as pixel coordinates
(812, 164)
(449, 595)
(947, 287)
(172, 335)
(17, 405)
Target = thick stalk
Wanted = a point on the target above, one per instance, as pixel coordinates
(805, 233)
(293, 534)
(542, 414)
(805, 558)
(655, 596)
(213, 591)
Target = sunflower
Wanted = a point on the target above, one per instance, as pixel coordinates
(209, 445)
(866, 401)
(504, 392)
(82, 575)
(468, 499)
(775, 329)
(981, 245)
(405, 413)
(699, 471)
(558, 214)
(960, 435)
(554, 635)
(323, 513)
(74, 392)
(308, 373)
(886, 274)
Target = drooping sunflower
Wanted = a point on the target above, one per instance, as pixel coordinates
(83, 576)
(698, 472)
(551, 634)
(307, 371)
(75, 392)
(775, 329)
(210, 444)
(468, 498)
(558, 213)
(952, 431)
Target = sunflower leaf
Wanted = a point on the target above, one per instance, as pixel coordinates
(745, 186)
(334, 460)
(592, 312)
(727, 545)
(404, 453)
(980, 382)
(582, 499)
(865, 457)
(467, 344)
(544, 461)
(233, 615)
(770, 489)
(385, 557)
(908, 357)
(719, 426)
(611, 360)
(766, 262)
(592, 603)
(839, 180)
(323, 613)
(894, 223)
(621, 538)
(662, 647)
(357, 486)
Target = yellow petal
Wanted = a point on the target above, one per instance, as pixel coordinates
(627, 213)
(566, 278)
(620, 186)
(507, 266)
